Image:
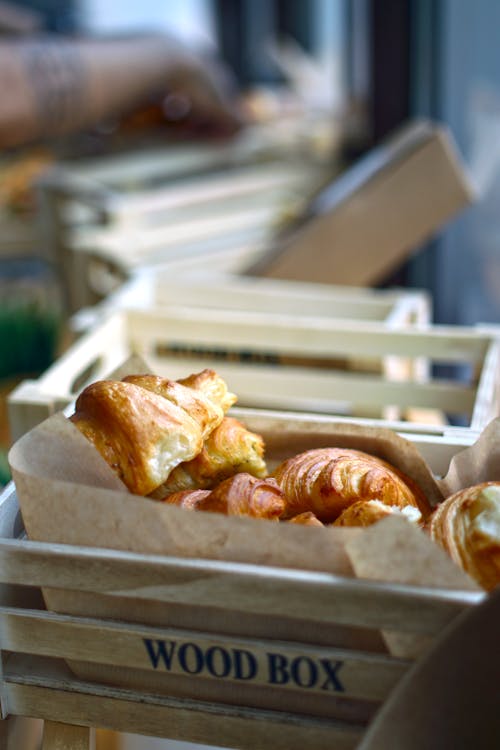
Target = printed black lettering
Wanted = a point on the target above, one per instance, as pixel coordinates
(332, 682)
(304, 671)
(218, 661)
(191, 658)
(160, 651)
(245, 664)
(278, 672)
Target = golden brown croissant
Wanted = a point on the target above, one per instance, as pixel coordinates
(467, 526)
(229, 449)
(240, 495)
(306, 519)
(188, 499)
(367, 512)
(141, 435)
(328, 480)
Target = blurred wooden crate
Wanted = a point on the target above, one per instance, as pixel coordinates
(284, 362)
(119, 213)
(163, 286)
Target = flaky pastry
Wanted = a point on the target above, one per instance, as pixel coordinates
(229, 449)
(187, 499)
(325, 481)
(467, 526)
(141, 435)
(212, 386)
(306, 519)
(206, 412)
(240, 495)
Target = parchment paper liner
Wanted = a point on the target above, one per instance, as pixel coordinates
(68, 494)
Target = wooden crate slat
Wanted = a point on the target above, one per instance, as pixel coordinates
(198, 654)
(61, 736)
(320, 390)
(320, 597)
(319, 336)
(46, 689)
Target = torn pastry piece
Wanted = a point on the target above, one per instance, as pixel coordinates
(211, 385)
(207, 414)
(367, 512)
(467, 526)
(306, 519)
(326, 481)
(187, 499)
(229, 449)
(240, 495)
(141, 435)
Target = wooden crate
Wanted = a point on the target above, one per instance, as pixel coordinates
(105, 217)
(170, 285)
(281, 617)
(282, 362)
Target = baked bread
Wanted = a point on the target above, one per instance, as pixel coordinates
(141, 435)
(364, 513)
(306, 519)
(187, 499)
(240, 495)
(325, 481)
(207, 412)
(467, 526)
(229, 449)
(211, 385)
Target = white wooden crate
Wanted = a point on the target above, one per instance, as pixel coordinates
(283, 362)
(168, 285)
(261, 604)
(106, 217)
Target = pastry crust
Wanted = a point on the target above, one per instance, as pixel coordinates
(187, 499)
(325, 481)
(212, 386)
(364, 513)
(229, 449)
(141, 435)
(240, 495)
(306, 519)
(206, 412)
(467, 526)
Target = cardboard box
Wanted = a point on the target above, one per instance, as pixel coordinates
(363, 226)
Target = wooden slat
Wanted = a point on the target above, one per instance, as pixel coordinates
(316, 389)
(320, 336)
(319, 597)
(195, 655)
(37, 689)
(59, 736)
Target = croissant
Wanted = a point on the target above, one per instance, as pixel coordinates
(325, 481)
(229, 449)
(306, 519)
(144, 426)
(239, 495)
(467, 526)
(363, 513)
(188, 499)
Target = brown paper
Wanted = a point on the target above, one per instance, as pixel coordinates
(476, 464)
(395, 551)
